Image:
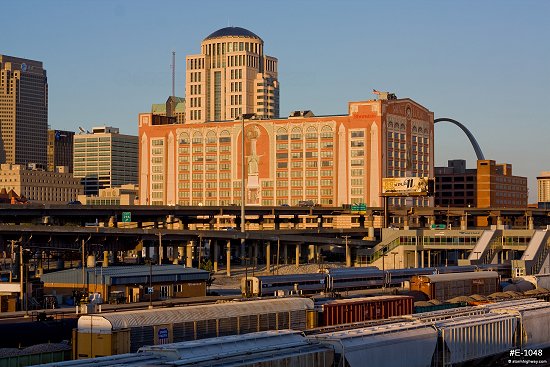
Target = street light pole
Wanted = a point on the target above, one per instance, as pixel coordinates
(150, 284)
(243, 199)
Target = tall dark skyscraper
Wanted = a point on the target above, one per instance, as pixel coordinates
(23, 111)
(60, 149)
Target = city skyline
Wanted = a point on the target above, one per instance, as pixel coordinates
(484, 65)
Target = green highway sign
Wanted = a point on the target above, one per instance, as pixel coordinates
(126, 217)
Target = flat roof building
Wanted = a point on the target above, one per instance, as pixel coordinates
(543, 190)
(23, 111)
(123, 195)
(167, 281)
(491, 184)
(105, 158)
(39, 186)
(330, 160)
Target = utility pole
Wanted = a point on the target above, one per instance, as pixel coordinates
(83, 267)
(150, 284)
(21, 294)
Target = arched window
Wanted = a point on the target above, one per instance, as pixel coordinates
(326, 132)
(211, 137)
(282, 134)
(225, 137)
(311, 132)
(197, 138)
(183, 138)
(296, 134)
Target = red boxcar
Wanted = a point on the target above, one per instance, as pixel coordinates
(346, 311)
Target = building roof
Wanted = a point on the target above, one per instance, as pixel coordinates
(116, 275)
(461, 276)
(232, 32)
(108, 321)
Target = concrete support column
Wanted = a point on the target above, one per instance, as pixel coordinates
(415, 259)
(311, 252)
(531, 223)
(228, 258)
(429, 259)
(170, 222)
(189, 254)
(297, 254)
(181, 253)
(464, 222)
(268, 256)
(499, 222)
(155, 256)
(370, 225)
(216, 254)
(256, 254)
(105, 259)
(422, 258)
(243, 252)
(348, 255)
(285, 253)
(164, 252)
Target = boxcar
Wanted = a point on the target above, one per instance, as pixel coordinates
(113, 333)
(346, 311)
(446, 286)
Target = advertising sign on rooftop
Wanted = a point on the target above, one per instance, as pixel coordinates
(405, 186)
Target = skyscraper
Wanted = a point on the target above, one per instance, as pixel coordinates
(23, 111)
(231, 76)
(60, 149)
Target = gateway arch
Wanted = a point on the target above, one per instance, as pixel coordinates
(470, 136)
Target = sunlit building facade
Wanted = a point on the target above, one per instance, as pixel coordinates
(23, 111)
(105, 158)
(491, 184)
(330, 160)
(543, 190)
(231, 76)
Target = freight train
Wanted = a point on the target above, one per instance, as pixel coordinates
(339, 280)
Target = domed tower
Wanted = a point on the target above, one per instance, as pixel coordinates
(230, 77)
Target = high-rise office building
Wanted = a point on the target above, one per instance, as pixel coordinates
(60, 149)
(105, 159)
(231, 76)
(330, 160)
(23, 111)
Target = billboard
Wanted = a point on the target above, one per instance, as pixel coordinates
(407, 186)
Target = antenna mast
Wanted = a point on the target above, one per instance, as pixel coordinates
(173, 73)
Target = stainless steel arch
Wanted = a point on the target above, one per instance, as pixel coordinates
(473, 140)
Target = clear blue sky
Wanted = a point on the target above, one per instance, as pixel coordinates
(484, 63)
